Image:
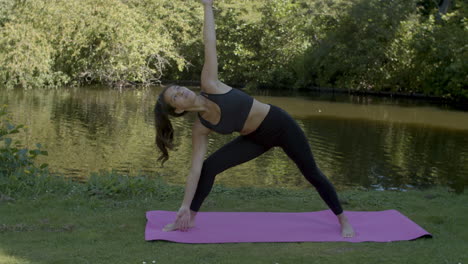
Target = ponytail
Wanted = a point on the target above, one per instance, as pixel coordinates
(163, 126)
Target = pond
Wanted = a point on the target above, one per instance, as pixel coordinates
(375, 143)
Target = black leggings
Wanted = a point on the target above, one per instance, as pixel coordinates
(278, 129)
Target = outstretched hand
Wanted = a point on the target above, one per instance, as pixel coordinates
(183, 219)
(207, 2)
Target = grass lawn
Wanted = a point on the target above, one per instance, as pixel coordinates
(83, 228)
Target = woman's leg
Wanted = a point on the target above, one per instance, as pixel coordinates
(238, 151)
(295, 145)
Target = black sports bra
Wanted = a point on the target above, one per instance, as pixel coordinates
(235, 107)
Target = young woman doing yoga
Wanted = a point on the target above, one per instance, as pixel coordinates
(224, 110)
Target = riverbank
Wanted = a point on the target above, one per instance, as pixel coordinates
(102, 221)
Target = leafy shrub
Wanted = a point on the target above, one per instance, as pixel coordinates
(261, 52)
(398, 46)
(182, 21)
(26, 58)
(51, 43)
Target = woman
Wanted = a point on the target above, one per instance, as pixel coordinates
(224, 110)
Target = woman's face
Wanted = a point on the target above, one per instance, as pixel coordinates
(179, 97)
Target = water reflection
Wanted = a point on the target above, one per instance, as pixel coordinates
(374, 144)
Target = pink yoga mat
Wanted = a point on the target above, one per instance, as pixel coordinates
(232, 227)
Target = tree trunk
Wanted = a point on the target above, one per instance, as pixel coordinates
(444, 6)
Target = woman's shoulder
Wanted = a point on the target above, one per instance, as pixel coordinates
(215, 87)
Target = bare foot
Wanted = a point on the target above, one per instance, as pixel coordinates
(347, 230)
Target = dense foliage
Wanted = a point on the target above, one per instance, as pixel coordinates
(408, 46)
(51, 43)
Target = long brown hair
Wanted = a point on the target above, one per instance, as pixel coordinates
(163, 126)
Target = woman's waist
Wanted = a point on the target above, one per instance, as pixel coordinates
(272, 125)
(257, 115)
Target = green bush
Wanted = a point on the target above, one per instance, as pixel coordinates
(182, 21)
(261, 51)
(50, 43)
(398, 46)
(281, 38)
(391, 46)
(441, 57)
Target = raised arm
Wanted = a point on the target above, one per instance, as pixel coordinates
(209, 77)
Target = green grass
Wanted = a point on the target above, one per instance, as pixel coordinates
(87, 225)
